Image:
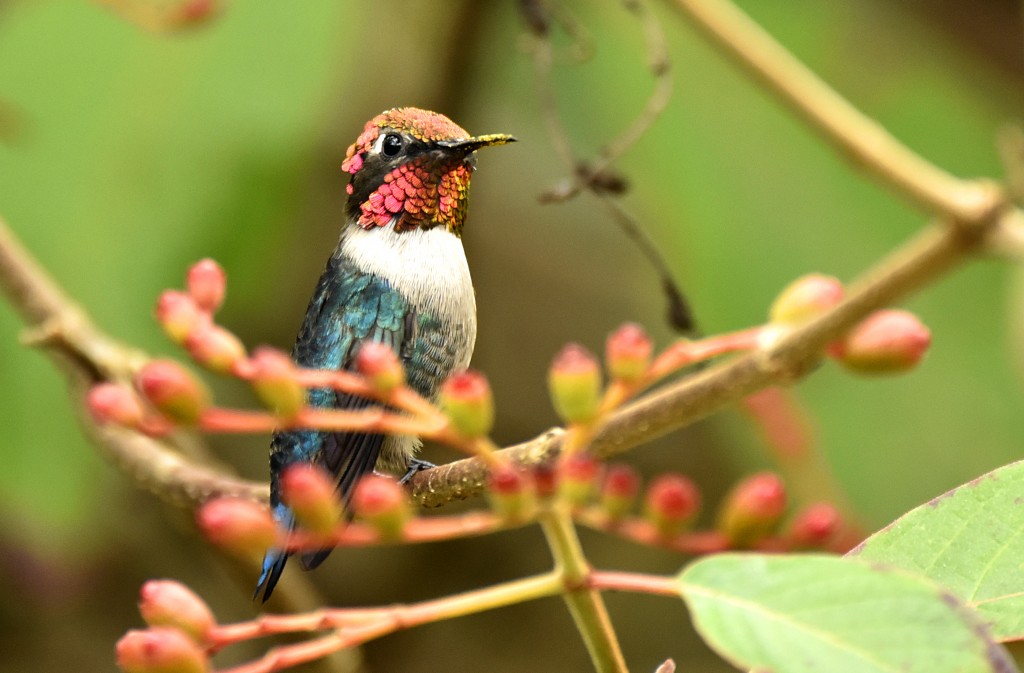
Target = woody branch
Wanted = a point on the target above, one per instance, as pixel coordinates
(971, 216)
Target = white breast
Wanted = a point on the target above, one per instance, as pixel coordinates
(428, 267)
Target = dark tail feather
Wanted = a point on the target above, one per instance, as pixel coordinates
(274, 560)
(351, 457)
(273, 565)
(312, 559)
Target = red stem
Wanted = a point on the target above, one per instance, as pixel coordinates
(418, 530)
(609, 580)
(685, 353)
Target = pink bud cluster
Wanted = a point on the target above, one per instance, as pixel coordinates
(814, 527)
(755, 509)
(575, 381)
(273, 377)
(628, 352)
(751, 514)
(752, 510)
(619, 492)
(164, 393)
(180, 628)
(805, 298)
(381, 503)
(512, 494)
(381, 367)
(247, 529)
(310, 493)
(671, 504)
(242, 527)
(886, 342)
(187, 318)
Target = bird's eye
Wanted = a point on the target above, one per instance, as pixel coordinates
(391, 145)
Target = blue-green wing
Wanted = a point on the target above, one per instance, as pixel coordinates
(348, 308)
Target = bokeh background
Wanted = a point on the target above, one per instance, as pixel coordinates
(125, 155)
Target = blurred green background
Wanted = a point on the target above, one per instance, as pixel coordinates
(126, 155)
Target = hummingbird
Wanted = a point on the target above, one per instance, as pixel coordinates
(398, 276)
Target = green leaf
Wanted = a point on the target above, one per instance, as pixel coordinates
(804, 613)
(971, 541)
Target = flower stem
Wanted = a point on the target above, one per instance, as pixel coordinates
(358, 625)
(585, 604)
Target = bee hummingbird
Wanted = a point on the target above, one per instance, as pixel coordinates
(398, 276)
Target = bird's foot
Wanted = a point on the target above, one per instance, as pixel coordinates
(415, 465)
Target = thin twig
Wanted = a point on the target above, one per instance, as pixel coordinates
(596, 176)
(866, 142)
(593, 175)
(357, 626)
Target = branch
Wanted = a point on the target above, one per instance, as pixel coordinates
(976, 216)
(159, 464)
(355, 626)
(860, 138)
(925, 258)
(174, 468)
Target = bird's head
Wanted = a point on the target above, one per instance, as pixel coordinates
(412, 167)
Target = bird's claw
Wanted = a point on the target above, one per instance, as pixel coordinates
(415, 465)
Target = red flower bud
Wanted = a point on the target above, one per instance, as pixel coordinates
(466, 399)
(805, 298)
(671, 504)
(814, 526)
(179, 315)
(274, 381)
(160, 650)
(511, 493)
(886, 342)
(170, 603)
(240, 526)
(115, 403)
(619, 491)
(215, 348)
(544, 479)
(577, 477)
(311, 495)
(753, 509)
(574, 382)
(172, 390)
(207, 284)
(381, 367)
(383, 504)
(628, 353)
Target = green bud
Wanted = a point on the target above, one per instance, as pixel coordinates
(574, 382)
(466, 400)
